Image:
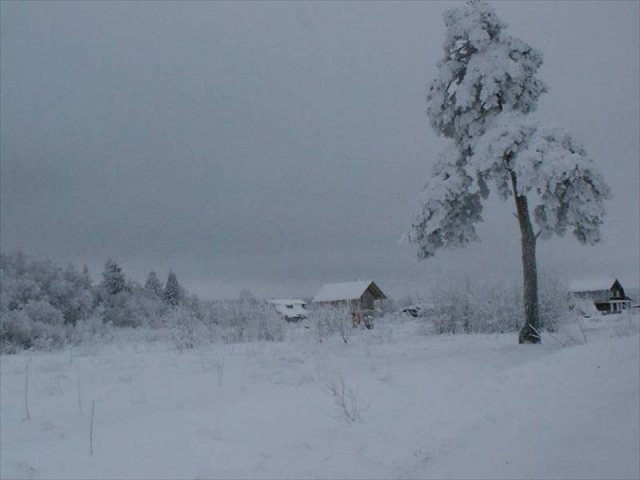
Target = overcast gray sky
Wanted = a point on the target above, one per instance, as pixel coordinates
(276, 146)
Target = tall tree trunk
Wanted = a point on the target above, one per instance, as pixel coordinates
(530, 332)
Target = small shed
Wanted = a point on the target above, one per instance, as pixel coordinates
(607, 294)
(362, 298)
(291, 309)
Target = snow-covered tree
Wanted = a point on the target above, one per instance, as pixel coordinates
(153, 284)
(73, 294)
(482, 100)
(113, 280)
(172, 291)
(43, 306)
(39, 302)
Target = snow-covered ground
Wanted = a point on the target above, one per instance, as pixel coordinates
(445, 406)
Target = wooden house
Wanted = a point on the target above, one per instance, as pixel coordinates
(362, 298)
(606, 294)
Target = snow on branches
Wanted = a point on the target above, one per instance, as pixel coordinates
(482, 72)
(447, 209)
(552, 170)
(482, 99)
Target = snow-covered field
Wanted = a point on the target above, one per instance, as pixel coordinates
(442, 406)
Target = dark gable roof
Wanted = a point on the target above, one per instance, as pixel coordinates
(337, 292)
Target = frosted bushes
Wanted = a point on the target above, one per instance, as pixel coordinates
(554, 302)
(269, 328)
(572, 331)
(185, 330)
(227, 322)
(43, 312)
(264, 323)
(248, 319)
(466, 307)
(37, 325)
(384, 328)
(327, 321)
(14, 332)
(493, 306)
(46, 307)
(18, 331)
(336, 322)
(90, 331)
(181, 326)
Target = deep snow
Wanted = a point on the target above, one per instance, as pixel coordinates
(446, 406)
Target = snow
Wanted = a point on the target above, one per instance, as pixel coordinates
(482, 101)
(560, 180)
(591, 284)
(287, 301)
(290, 307)
(477, 406)
(332, 292)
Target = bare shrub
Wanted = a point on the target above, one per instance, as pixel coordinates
(554, 301)
(265, 323)
(346, 399)
(26, 391)
(93, 411)
(91, 330)
(247, 319)
(329, 320)
(220, 368)
(570, 331)
(185, 330)
(493, 305)
(383, 333)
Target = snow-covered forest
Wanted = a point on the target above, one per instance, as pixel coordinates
(46, 307)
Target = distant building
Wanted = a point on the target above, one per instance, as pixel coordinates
(606, 294)
(419, 310)
(291, 309)
(362, 298)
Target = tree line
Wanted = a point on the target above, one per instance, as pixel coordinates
(44, 306)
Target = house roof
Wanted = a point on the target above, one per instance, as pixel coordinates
(289, 308)
(287, 301)
(335, 292)
(591, 284)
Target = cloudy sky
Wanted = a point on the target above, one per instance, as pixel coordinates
(276, 146)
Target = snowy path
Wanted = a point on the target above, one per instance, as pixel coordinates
(450, 406)
(570, 414)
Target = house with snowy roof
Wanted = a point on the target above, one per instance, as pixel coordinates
(362, 298)
(291, 309)
(607, 294)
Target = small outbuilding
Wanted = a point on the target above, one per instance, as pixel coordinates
(363, 299)
(607, 294)
(291, 309)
